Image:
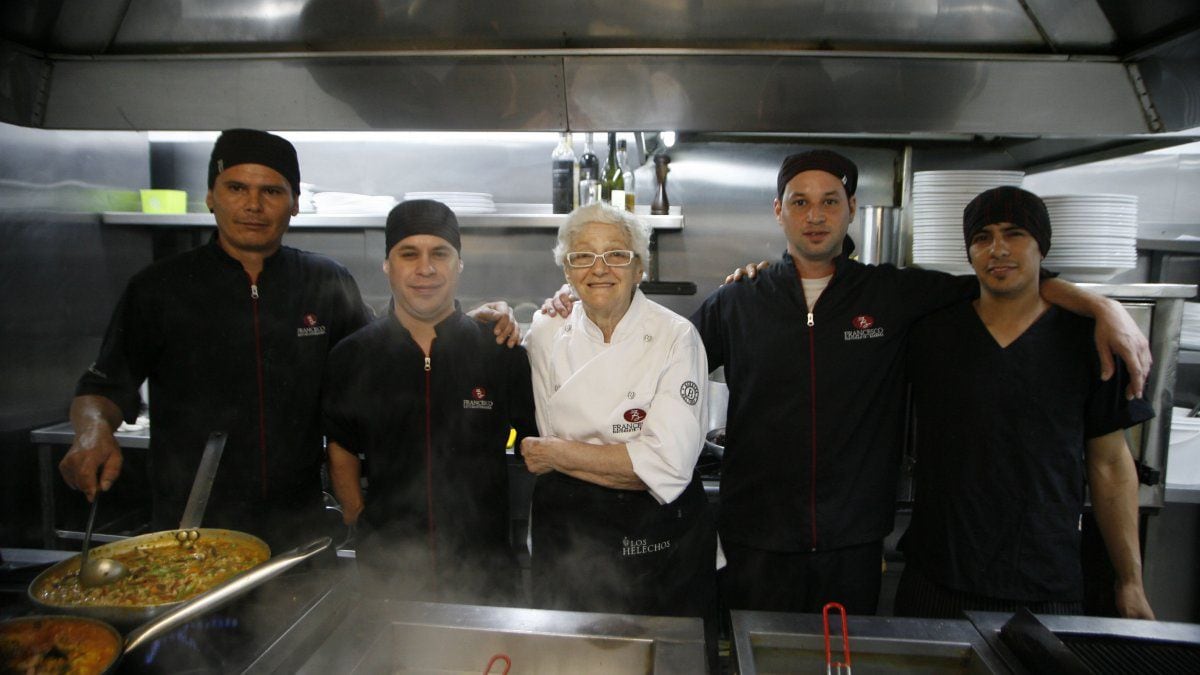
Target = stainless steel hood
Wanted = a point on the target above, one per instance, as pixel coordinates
(1091, 73)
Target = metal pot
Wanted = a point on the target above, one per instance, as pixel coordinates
(176, 614)
(132, 615)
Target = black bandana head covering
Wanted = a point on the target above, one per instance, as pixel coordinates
(422, 216)
(1008, 205)
(251, 146)
(817, 160)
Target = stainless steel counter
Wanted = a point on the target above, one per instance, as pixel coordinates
(773, 642)
(397, 636)
(63, 434)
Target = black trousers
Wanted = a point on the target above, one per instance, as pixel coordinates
(920, 596)
(802, 582)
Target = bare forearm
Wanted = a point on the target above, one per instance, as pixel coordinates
(1074, 299)
(606, 465)
(1114, 501)
(345, 477)
(92, 414)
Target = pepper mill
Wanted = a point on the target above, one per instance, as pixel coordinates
(661, 206)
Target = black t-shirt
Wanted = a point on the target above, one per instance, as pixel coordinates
(219, 358)
(433, 440)
(1001, 435)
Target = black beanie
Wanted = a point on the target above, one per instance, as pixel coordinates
(421, 216)
(251, 146)
(1008, 205)
(817, 160)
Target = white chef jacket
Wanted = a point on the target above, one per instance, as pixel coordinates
(647, 388)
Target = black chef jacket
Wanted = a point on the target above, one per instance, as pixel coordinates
(222, 354)
(433, 434)
(815, 421)
(1001, 434)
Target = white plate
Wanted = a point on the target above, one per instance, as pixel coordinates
(431, 195)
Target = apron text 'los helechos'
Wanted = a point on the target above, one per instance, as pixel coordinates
(632, 547)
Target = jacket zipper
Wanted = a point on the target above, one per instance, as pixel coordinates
(812, 383)
(262, 415)
(429, 470)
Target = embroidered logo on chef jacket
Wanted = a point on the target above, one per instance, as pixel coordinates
(478, 400)
(690, 392)
(632, 547)
(310, 326)
(864, 329)
(633, 421)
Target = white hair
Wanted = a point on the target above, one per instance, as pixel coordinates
(636, 230)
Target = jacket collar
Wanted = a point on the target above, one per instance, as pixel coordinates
(625, 327)
(839, 263)
(444, 328)
(214, 246)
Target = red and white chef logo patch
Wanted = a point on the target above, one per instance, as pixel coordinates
(478, 400)
(310, 326)
(633, 421)
(864, 329)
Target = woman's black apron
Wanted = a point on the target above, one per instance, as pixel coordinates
(597, 549)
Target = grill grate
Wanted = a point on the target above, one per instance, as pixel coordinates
(1124, 656)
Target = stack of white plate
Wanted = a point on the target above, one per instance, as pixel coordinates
(459, 202)
(349, 203)
(1095, 236)
(1189, 337)
(939, 198)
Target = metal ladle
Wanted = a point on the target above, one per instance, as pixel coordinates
(97, 571)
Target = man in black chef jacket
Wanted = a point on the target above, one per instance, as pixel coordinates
(427, 398)
(232, 336)
(1012, 421)
(813, 354)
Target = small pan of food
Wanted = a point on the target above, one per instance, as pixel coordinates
(81, 645)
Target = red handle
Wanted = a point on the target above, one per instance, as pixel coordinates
(829, 662)
(499, 657)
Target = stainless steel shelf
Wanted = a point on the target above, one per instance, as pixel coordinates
(1148, 291)
(507, 216)
(1177, 245)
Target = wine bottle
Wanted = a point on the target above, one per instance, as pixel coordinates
(562, 175)
(661, 205)
(588, 186)
(589, 163)
(626, 177)
(612, 173)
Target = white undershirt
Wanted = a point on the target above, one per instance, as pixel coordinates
(813, 289)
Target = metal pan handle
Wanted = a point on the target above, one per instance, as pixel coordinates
(197, 502)
(222, 594)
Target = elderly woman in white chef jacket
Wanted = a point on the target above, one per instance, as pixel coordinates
(619, 519)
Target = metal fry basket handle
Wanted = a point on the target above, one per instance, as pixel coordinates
(840, 667)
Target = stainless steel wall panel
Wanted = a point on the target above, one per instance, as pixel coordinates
(1171, 75)
(834, 94)
(60, 271)
(485, 93)
(218, 25)
(23, 92)
(1073, 26)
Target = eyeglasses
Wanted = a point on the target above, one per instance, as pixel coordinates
(611, 258)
